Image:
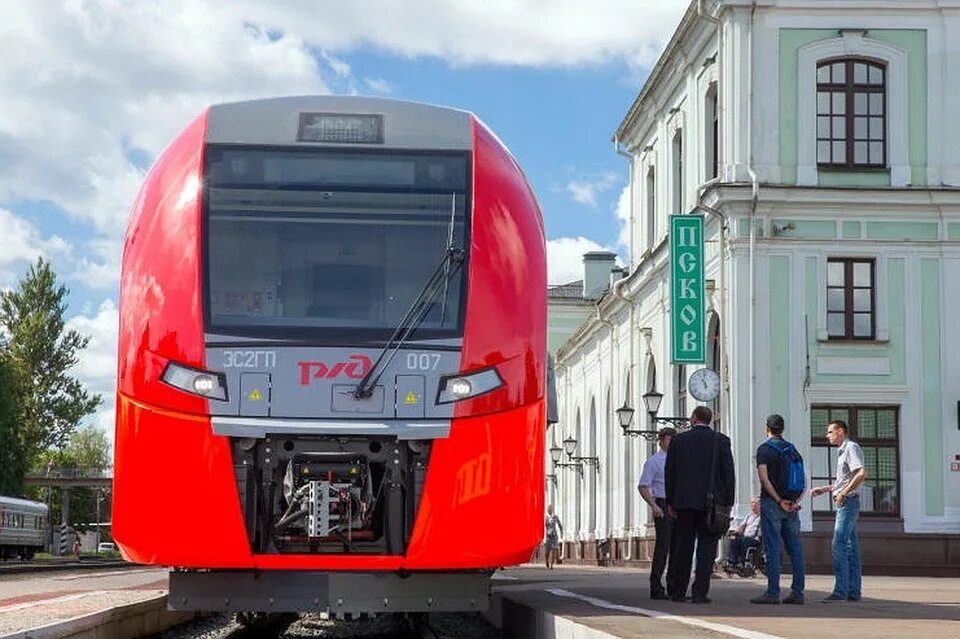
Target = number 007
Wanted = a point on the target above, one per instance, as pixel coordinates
(423, 361)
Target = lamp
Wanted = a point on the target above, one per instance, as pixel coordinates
(625, 416)
(652, 399)
(570, 446)
(555, 452)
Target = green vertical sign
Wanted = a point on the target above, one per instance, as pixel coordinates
(687, 308)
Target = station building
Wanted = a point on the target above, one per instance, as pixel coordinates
(818, 140)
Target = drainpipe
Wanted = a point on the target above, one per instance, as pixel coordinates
(754, 180)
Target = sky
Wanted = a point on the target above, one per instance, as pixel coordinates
(92, 90)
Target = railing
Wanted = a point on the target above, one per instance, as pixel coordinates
(70, 473)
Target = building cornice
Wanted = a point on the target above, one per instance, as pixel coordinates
(666, 63)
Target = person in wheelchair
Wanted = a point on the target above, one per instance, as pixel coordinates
(743, 538)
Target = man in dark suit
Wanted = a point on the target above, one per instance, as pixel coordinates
(687, 479)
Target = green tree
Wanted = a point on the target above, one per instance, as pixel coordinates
(13, 462)
(52, 402)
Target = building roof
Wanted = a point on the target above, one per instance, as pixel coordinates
(570, 290)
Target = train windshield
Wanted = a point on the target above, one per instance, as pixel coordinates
(331, 241)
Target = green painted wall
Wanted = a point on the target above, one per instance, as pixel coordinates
(932, 412)
(779, 288)
(902, 231)
(855, 178)
(954, 233)
(809, 229)
(915, 43)
(851, 230)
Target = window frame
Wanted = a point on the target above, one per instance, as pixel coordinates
(850, 88)
(818, 439)
(849, 312)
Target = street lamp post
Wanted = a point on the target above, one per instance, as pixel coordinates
(556, 452)
(570, 447)
(652, 401)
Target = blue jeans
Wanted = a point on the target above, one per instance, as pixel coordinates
(776, 523)
(846, 550)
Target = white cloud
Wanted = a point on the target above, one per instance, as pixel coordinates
(544, 34)
(99, 267)
(22, 243)
(378, 85)
(623, 218)
(85, 82)
(585, 190)
(97, 368)
(565, 258)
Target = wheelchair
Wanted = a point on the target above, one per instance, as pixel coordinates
(754, 563)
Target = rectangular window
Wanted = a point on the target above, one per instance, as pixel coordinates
(851, 299)
(876, 429)
(851, 114)
(337, 243)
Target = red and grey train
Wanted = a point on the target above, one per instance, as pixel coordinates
(332, 359)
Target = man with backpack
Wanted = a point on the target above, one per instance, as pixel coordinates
(782, 479)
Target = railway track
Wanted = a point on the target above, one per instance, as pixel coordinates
(315, 626)
(48, 565)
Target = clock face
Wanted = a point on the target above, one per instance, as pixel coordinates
(704, 384)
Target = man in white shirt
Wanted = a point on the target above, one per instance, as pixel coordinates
(847, 570)
(653, 491)
(745, 536)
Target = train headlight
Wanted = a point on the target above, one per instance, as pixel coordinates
(456, 387)
(197, 382)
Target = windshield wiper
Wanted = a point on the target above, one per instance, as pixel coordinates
(453, 258)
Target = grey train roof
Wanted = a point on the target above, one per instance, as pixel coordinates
(276, 121)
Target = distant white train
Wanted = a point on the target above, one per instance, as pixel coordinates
(23, 524)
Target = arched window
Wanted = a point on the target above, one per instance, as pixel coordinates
(607, 488)
(711, 149)
(591, 474)
(651, 206)
(677, 173)
(628, 464)
(681, 405)
(851, 114)
(577, 491)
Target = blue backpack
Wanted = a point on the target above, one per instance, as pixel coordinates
(792, 480)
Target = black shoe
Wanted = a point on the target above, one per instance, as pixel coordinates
(701, 599)
(678, 598)
(658, 595)
(766, 598)
(853, 598)
(794, 598)
(834, 597)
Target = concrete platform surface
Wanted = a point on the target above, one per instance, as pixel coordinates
(35, 600)
(614, 602)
